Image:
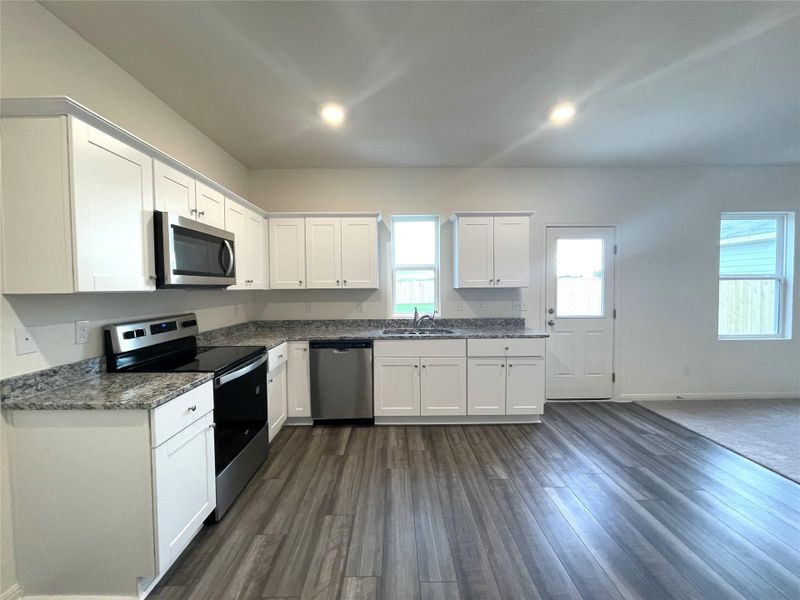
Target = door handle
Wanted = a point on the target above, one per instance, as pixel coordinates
(228, 249)
(551, 322)
(550, 311)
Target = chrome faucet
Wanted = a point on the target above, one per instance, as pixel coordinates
(418, 320)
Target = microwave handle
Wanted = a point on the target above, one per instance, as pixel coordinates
(227, 249)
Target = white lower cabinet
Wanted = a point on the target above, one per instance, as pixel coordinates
(420, 378)
(487, 386)
(505, 377)
(397, 387)
(443, 390)
(124, 489)
(299, 380)
(277, 389)
(525, 386)
(183, 469)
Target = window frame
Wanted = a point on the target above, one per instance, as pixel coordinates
(781, 277)
(418, 267)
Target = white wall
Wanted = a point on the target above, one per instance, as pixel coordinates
(668, 223)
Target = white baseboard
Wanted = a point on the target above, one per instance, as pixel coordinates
(462, 420)
(74, 597)
(704, 396)
(12, 593)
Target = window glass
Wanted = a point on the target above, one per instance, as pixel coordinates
(414, 242)
(748, 247)
(415, 267)
(579, 278)
(748, 307)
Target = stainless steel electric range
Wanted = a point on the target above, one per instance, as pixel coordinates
(167, 344)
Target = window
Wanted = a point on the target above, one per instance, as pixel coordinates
(415, 265)
(754, 274)
(579, 277)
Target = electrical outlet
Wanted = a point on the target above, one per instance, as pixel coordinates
(687, 370)
(81, 332)
(359, 307)
(519, 305)
(480, 306)
(308, 308)
(24, 341)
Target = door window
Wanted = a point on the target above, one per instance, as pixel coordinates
(579, 278)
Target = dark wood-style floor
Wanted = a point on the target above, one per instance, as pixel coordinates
(598, 501)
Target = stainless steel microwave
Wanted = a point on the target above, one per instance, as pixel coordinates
(192, 254)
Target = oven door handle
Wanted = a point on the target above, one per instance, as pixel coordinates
(227, 249)
(251, 366)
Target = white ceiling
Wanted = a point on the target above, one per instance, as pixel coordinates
(468, 83)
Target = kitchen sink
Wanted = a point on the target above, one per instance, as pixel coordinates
(413, 331)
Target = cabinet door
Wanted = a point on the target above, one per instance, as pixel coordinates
(236, 223)
(113, 208)
(276, 400)
(486, 387)
(174, 191)
(397, 384)
(185, 487)
(255, 232)
(210, 206)
(299, 384)
(287, 253)
(512, 252)
(359, 252)
(323, 252)
(444, 386)
(525, 386)
(475, 252)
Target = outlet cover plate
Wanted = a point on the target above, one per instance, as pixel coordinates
(81, 332)
(24, 341)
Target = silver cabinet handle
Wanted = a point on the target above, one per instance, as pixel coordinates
(416, 366)
(193, 211)
(337, 282)
(300, 282)
(270, 380)
(201, 213)
(192, 408)
(212, 426)
(345, 281)
(153, 277)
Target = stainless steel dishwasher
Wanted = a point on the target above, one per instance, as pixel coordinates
(341, 380)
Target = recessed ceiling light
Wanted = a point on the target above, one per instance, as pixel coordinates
(562, 113)
(333, 114)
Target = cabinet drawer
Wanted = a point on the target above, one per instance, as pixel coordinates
(277, 356)
(417, 348)
(177, 414)
(506, 347)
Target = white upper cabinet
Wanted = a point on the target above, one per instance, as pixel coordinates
(491, 250)
(174, 191)
(512, 252)
(287, 253)
(359, 252)
(250, 246)
(475, 252)
(210, 206)
(323, 252)
(112, 186)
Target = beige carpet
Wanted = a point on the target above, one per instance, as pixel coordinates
(765, 431)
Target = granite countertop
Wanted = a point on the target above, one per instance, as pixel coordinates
(110, 391)
(275, 336)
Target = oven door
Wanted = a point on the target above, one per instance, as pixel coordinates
(191, 254)
(241, 434)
